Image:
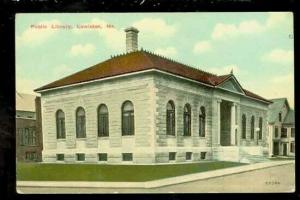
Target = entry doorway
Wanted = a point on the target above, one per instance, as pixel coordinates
(225, 120)
(284, 150)
(275, 148)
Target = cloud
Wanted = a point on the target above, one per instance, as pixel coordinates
(36, 36)
(276, 19)
(24, 85)
(155, 26)
(223, 31)
(202, 46)
(169, 51)
(281, 86)
(82, 49)
(279, 56)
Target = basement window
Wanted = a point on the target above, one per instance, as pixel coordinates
(102, 156)
(188, 155)
(80, 157)
(203, 155)
(60, 157)
(127, 156)
(172, 156)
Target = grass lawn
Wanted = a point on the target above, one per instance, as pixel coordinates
(95, 172)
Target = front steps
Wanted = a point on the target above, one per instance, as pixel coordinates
(254, 154)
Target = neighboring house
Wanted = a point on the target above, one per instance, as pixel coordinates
(140, 107)
(281, 120)
(28, 128)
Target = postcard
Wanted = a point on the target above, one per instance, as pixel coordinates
(195, 102)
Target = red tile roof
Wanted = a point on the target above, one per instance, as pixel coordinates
(140, 61)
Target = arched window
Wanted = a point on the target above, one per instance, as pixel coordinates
(202, 122)
(60, 125)
(260, 128)
(244, 126)
(103, 129)
(170, 118)
(187, 120)
(252, 128)
(127, 118)
(80, 123)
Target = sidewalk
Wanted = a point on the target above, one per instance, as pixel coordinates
(155, 183)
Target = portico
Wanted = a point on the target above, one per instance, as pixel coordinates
(227, 121)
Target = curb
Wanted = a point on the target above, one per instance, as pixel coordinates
(154, 183)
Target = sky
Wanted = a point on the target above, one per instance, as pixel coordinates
(257, 46)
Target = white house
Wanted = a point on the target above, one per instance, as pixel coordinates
(143, 108)
(281, 127)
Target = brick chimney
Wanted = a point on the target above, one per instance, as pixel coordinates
(131, 39)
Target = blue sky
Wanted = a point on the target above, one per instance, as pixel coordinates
(257, 46)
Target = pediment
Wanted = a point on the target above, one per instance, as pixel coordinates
(231, 85)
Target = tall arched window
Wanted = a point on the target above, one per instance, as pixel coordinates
(170, 118)
(80, 123)
(187, 120)
(260, 128)
(127, 118)
(60, 125)
(202, 122)
(103, 129)
(244, 126)
(252, 128)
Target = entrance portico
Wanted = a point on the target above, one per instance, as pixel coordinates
(227, 120)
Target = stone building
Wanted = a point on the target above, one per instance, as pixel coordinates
(28, 128)
(140, 107)
(281, 127)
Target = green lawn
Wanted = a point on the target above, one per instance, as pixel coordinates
(94, 172)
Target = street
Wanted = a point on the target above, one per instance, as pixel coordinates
(273, 179)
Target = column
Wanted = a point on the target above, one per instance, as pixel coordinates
(233, 124)
(219, 121)
(238, 123)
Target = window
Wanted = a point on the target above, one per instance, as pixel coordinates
(170, 118)
(27, 136)
(127, 118)
(244, 126)
(102, 156)
(276, 132)
(280, 117)
(172, 155)
(260, 129)
(80, 123)
(30, 156)
(80, 157)
(252, 128)
(283, 132)
(60, 124)
(292, 132)
(103, 121)
(292, 147)
(188, 155)
(202, 155)
(202, 122)
(127, 156)
(60, 157)
(187, 120)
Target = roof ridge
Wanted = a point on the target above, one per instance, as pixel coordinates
(178, 62)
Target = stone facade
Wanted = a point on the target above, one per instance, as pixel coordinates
(149, 93)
